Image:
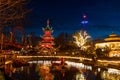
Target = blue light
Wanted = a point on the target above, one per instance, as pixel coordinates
(84, 22)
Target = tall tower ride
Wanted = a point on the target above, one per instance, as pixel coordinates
(46, 45)
(84, 21)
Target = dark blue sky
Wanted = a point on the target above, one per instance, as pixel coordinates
(66, 16)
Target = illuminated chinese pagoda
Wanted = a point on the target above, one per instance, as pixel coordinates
(46, 45)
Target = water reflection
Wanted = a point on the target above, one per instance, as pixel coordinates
(44, 70)
(111, 74)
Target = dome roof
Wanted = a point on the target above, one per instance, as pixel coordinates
(112, 37)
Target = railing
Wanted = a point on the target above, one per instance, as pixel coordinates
(69, 57)
(65, 57)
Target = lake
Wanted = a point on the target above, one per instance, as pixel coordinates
(54, 70)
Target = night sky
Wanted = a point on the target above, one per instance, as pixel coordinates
(103, 16)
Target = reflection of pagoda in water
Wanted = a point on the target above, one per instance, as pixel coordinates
(46, 45)
(113, 42)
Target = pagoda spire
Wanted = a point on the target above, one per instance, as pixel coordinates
(48, 22)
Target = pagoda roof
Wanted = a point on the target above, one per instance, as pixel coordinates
(47, 28)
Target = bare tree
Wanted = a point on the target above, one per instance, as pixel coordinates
(12, 12)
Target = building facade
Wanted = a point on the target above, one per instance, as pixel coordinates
(112, 42)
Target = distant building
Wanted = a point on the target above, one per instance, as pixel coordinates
(112, 42)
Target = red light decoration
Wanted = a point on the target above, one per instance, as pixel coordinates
(47, 39)
(84, 16)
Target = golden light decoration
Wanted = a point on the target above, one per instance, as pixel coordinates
(81, 38)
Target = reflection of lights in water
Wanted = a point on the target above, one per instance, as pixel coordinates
(22, 68)
(79, 76)
(45, 73)
(99, 69)
(111, 74)
(78, 65)
(56, 61)
(1, 76)
(41, 62)
(113, 71)
(73, 64)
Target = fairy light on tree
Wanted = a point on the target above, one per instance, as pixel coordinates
(81, 39)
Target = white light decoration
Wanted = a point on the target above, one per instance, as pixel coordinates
(99, 69)
(113, 71)
(81, 38)
(78, 65)
(79, 76)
